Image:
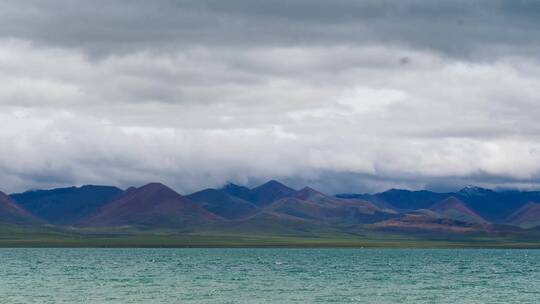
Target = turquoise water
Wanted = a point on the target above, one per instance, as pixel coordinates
(269, 276)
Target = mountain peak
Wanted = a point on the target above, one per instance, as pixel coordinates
(157, 187)
(396, 190)
(272, 184)
(471, 190)
(153, 204)
(233, 187)
(456, 209)
(308, 192)
(154, 190)
(269, 192)
(154, 185)
(237, 190)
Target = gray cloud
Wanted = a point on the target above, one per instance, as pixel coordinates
(342, 95)
(462, 28)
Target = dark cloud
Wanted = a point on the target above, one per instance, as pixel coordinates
(457, 28)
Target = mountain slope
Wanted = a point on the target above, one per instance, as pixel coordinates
(223, 204)
(361, 206)
(269, 192)
(12, 213)
(237, 191)
(496, 206)
(419, 222)
(401, 199)
(66, 205)
(151, 206)
(312, 195)
(527, 216)
(411, 200)
(455, 209)
(493, 206)
(309, 204)
(261, 195)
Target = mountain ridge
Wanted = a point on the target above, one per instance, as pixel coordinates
(455, 209)
(156, 206)
(68, 205)
(151, 205)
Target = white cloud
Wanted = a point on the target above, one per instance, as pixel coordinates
(201, 116)
(366, 100)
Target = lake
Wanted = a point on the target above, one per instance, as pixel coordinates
(269, 276)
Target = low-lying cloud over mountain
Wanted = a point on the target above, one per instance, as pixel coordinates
(342, 95)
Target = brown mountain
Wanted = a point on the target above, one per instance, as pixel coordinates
(455, 209)
(238, 202)
(312, 195)
(12, 213)
(429, 223)
(527, 216)
(152, 205)
(450, 215)
(309, 204)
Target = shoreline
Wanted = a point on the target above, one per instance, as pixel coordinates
(374, 244)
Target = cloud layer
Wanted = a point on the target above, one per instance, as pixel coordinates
(353, 96)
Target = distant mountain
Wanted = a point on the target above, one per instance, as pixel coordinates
(261, 195)
(276, 207)
(493, 206)
(404, 200)
(496, 206)
(151, 206)
(269, 192)
(420, 222)
(411, 200)
(223, 204)
(238, 191)
(66, 205)
(527, 216)
(455, 209)
(309, 204)
(372, 198)
(11, 213)
(364, 207)
(236, 202)
(312, 195)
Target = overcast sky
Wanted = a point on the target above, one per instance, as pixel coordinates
(343, 95)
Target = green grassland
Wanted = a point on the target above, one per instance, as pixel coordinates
(14, 236)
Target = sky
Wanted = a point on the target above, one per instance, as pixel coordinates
(342, 95)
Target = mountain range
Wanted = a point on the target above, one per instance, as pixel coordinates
(273, 207)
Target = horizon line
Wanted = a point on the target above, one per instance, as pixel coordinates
(496, 189)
